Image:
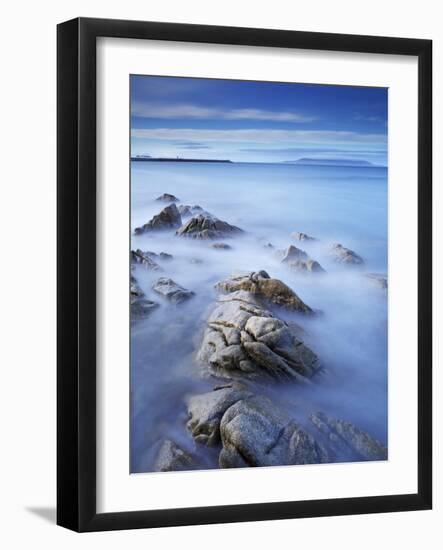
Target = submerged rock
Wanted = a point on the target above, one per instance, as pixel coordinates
(344, 255)
(171, 458)
(378, 280)
(186, 210)
(205, 226)
(254, 432)
(298, 236)
(171, 290)
(221, 246)
(243, 340)
(292, 254)
(346, 439)
(167, 197)
(141, 307)
(144, 259)
(306, 266)
(260, 284)
(168, 218)
(205, 411)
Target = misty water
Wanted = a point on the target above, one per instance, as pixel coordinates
(347, 205)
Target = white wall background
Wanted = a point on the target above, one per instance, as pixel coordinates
(27, 288)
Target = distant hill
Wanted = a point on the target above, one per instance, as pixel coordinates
(146, 158)
(331, 162)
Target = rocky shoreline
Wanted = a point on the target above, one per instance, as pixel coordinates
(247, 343)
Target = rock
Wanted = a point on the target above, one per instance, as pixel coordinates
(171, 290)
(162, 256)
(298, 236)
(166, 197)
(196, 261)
(254, 432)
(269, 246)
(245, 341)
(168, 218)
(206, 410)
(306, 266)
(345, 439)
(141, 307)
(260, 284)
(186, 210)
(221, 246)
(205, 226)
(378, 280)
(145, 260)
(344, 255)
(171, 458)
(292, 254)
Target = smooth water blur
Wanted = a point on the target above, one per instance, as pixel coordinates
(269, 201)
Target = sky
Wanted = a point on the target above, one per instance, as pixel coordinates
(245, 121)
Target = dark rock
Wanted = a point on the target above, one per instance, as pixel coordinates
(346, 439)
(298, 236)
(344, 255)
(141, 307)
(186, 210)
(207, 227)
(254, 432)
(144, 259)
(221, 246)
(206, 410)
(245, 341)
(171, 458)
(168, 218)
(171, 290)
(260, 284)
(166, 197)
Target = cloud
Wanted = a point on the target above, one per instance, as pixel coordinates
(259, 136)
(191, 145)
(199, 112)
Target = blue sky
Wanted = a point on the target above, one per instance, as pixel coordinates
(256, 121)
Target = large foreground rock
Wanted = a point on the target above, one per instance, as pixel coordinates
(254, 432)
(346, 440)
(171, 290)
(260, 284)
(171, 458)
(168, 218)
(344, 255)
(243, 340)
(205, 411)
(205, 226)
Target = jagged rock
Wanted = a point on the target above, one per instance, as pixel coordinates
(221, 246)
(168, 218)
(205, 226)
(298, 236)
(254, 432)
(162, 256)
(245, 341)
(171, 290)
(205, 411)
(292, 254)
(260, 284)
(141, 307)
(378, 280)
(345, 439)
(344, 255)
(186, 210)
(306, 266)
(166, 197)
(171, 458)
(145, 260)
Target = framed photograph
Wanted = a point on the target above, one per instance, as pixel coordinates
(244, 274)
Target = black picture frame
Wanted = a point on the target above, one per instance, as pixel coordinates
(76, 280)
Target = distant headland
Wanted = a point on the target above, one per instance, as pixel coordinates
(330, 162)
(146, 158)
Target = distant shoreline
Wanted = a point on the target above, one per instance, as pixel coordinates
(152, 159)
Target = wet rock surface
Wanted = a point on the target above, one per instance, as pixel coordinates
(207, 227)
(168, 218)
(244, 340)
(343, 255)
(171, 458)
(172, 291)
(262, 286)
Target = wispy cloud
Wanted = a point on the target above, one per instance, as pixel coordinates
(259, 135)
(184, 111)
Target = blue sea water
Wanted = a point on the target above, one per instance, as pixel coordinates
(346, 204)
